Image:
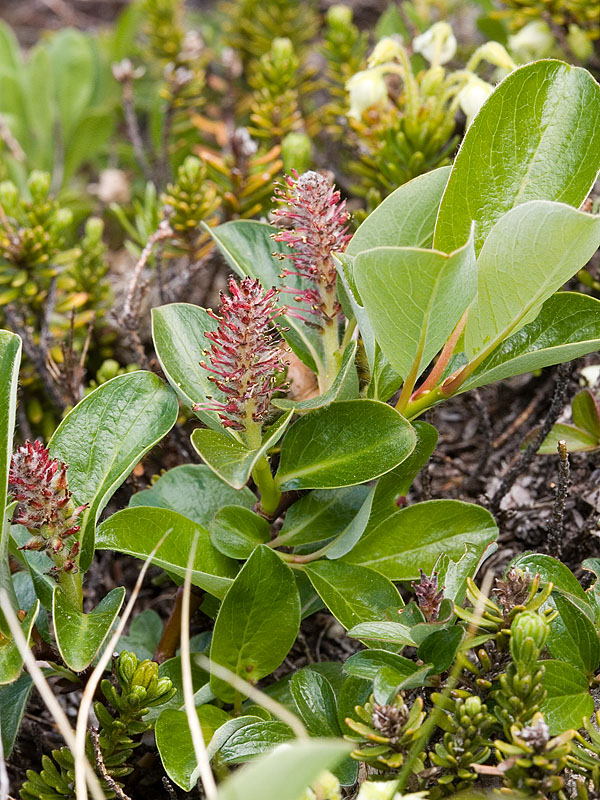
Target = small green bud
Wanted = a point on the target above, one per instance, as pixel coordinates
(339, 16)
(529, 632)
(282, 47)
(296, 152)
(108, 369)
(136, 697)
(126, 666)
(94, 228)
(473, 706)
(63, 218)
(191, 169)
(39, 184)
(146, 675)
(580, 43)
(9, 196)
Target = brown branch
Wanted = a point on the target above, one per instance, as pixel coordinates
(110, 781)
(169, 641)
(136, 290)
(527, 456)
(556, 529)
(36, 355)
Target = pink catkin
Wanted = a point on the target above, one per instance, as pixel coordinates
(315, 225)
(39, 484)
(245, 357)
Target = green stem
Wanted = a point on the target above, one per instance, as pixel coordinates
(71, 584)
(332, 353)
(269, 493)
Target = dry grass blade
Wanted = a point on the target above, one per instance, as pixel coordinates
(90, 687)
(47, 695)
(253, 693)
(206, 776)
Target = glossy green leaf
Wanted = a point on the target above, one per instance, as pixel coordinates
(175, 746)
(593, 593)
(568, 699)
(388, 682)
(136, 531)
(321, 514)
(236, 531)
(286, 773)
(406, 218)
(80, 636)
(573, 636)
(343, 444)
(10, 358)
(253, 740)
(258, 621)
(551, 569)
(344, 387)
(515, 276)
(178, 330)
(226, 731)
(586, 414)
(414, 298)
(13, 700)
(383, 631)
(231, 460)
(394, 486)
(568, 326)
(352, 533)
(444, 526)
(194, 491)
(315, 701)
(11, 662)
(353, 594)
(367, 663)
(576, 440)
(248, 247)
(439, 648)
(453, 573)
(354, 692)
(171, 668)
(384, 379)
(534, 139)
(119, 422)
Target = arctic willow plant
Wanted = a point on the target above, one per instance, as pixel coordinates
(300, 504)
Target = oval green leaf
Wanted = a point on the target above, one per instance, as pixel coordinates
(231, 460)
(444, 526)
(535, 138)
(194, 491)
(236, 531)
(567, 327)
(258, 621)
(568, 699)
(80, 636)
(413, 299)
(353, 594)
(105, 436)
(515, 277)
(407, 216)
(178, 330)
(137, 531)
(344, 444)
(175, 745)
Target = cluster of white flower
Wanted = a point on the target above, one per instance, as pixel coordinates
(368, 89)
